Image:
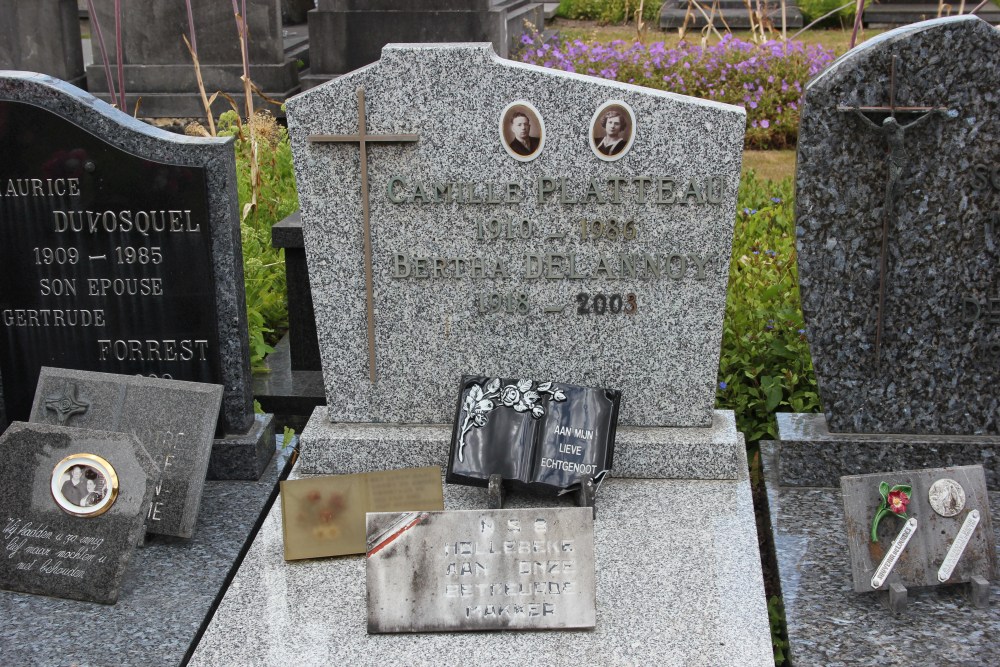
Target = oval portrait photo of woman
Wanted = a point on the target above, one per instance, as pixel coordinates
(522, 132)
(612, 130)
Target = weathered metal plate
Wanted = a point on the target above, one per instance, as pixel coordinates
(481, 570)
(921, 560)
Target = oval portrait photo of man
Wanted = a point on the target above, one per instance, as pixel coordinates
(84, 485)
(522, 132)
(612, 130)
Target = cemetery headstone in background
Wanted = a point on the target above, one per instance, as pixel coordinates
(42, 36)
(347, 34)
(59, 542)
(158, 66)
(121, 253)
(174, 421)
(928, 398)
(466, 214)
(898, 213)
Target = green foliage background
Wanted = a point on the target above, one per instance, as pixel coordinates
(263, 265)
(607, 11)
(765, 365)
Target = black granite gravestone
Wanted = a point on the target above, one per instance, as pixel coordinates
(121, 253)
(539, 435)
(72, 510)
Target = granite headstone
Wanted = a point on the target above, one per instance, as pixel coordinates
(120, 250)
(897, 205)
(524, 569)
(897, 228)
(73, 509)
(42, 36)
(562, 263)
(174, 421)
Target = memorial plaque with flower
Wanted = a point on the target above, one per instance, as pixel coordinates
(540, 435)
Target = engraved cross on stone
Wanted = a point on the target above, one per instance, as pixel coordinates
(362, 138)
(894, 135)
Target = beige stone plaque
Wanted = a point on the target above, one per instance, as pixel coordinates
(325, 516)
(525, 569)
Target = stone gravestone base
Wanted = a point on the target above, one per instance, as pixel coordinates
(166, 595)
(828, 623)
(678, 571)
(810, 455)
(243, 456)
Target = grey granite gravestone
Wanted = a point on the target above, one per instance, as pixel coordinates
(121, 253)
(930, 400)
(897, 249)
(58, 544)
(527, 569)
(158, 67)
(347, 34)
(679, 497)
(42, 36)
(174, 420)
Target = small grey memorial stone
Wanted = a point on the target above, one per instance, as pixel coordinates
(898, 226)
(72, 509)
(174, 420)
(525, 569)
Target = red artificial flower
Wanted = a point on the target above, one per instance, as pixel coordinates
(898, 501)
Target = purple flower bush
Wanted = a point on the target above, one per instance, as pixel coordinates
(766, 79)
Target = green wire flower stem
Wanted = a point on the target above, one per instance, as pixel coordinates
(894, 502)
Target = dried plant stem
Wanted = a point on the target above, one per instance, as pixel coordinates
(112, 95)
(827, 15)
(858, 17)
(979, 6)
(120, 51)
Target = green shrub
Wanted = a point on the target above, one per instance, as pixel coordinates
(263, 265)
(813, 9)
(608, 11)
(765, 366)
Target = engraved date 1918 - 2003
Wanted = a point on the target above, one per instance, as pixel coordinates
(517, 303)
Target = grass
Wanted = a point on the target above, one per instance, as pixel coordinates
(770, 165)
(590, 31)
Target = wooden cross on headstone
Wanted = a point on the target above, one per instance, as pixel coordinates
(895, 135)
(362, 138)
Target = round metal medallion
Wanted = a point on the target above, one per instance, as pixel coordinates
(947, 497)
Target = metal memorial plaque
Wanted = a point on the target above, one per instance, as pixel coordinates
(529, 569)
(325, 516)
(107, 259)
(917, 543)
(540, 435)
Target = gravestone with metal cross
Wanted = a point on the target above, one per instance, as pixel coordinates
(898, 191)
(543, 230)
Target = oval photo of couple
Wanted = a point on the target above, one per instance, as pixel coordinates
(612, 130)
(84, 485)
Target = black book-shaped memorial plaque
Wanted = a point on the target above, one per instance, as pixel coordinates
(545, 436)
